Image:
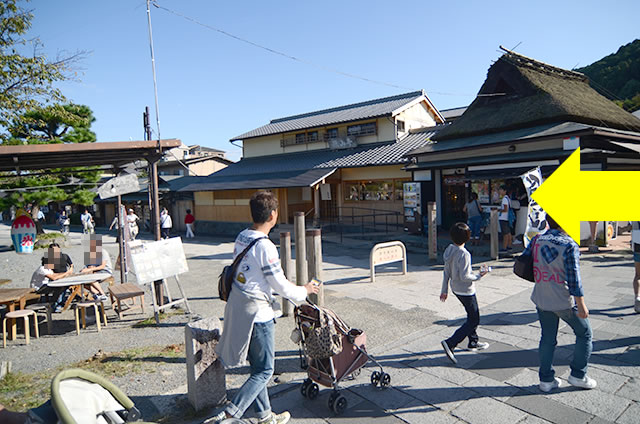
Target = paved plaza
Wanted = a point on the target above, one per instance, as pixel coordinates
(405, 322)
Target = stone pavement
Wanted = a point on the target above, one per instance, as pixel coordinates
(493, 386)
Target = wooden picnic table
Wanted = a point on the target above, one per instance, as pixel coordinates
(13, 298)
(76, 282)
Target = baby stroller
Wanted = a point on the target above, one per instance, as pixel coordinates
(332, 353)
(82, 397)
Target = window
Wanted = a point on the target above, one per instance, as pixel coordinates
(400, 125)
(374, 190)
(362, 129)
(312, 136)
(300, 138)
(332, 133)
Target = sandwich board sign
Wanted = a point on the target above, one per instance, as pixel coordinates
(158, 260)
(118, 186)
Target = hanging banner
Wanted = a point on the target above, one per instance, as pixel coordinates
(536, 216)
(23, 233)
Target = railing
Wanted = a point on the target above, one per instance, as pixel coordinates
(371, 219)
(301, 139)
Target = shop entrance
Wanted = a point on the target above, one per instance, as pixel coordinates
(454, 199)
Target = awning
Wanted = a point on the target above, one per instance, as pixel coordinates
(631, 146)
(303, 178)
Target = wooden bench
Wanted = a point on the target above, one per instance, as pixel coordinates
(120, 292)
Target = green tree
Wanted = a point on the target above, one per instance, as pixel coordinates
(51, 124)
(26, 79)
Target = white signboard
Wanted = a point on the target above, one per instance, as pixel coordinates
(157, 260)
(325, 191)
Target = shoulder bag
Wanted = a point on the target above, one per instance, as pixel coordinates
(523, 266)
(225, 279)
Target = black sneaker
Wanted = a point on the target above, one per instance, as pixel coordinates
(449, 352)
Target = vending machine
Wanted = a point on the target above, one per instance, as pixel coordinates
(412, 202)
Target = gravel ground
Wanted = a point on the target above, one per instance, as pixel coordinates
(206, 257)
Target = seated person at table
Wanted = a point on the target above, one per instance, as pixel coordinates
(51, 269)
(96, 259)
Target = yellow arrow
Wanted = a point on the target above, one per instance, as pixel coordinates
(570, 195)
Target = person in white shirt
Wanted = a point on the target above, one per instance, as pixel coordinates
(503, 218)
(87, 222)
(165, 223)
(44, 273)
(132, 220)
(249, 319)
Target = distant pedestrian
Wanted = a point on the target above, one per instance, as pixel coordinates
(165, 223)
(635, 244)
(557, 295)
(64, 222)
(188, 222)
(474, 218)
(87, 222)
(132, 221)
(503, 218)
(458, 272)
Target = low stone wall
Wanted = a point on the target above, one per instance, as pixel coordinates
(219, 228)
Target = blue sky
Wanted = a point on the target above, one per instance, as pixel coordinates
(212, 88)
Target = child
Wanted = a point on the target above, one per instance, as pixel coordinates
(457, 268)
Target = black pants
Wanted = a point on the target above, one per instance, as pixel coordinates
(468, 329)
(164, 232)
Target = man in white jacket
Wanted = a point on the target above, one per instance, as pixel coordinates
(249, 319)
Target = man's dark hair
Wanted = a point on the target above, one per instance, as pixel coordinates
(188, 210)
(54, 244)
(460, 233)
(503, 187)
(262, 203)
(474, 196)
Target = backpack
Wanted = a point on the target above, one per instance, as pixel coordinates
(225, 279)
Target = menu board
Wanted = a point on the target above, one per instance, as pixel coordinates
(157, 260)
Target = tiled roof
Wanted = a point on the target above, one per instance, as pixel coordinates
(390, 153)
(336, 115)
(302, 178)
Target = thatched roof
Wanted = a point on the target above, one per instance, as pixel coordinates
(520, 92)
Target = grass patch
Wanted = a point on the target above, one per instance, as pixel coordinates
(22, 391)
(151, 321)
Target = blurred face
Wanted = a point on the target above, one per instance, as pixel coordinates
(54, 257)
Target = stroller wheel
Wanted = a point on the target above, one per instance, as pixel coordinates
(305, 387)
(332, 399)
(385, 380)
(375, 378)
(340, 405)
(312, 391)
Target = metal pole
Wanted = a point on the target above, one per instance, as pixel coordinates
(301, 251)
(287, 267)
(123, 278)
(153, 67)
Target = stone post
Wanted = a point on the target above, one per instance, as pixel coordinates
(493, 231)
(433, 230)
(287, 267)
(205, 373)
(314, 252)
(301, 251)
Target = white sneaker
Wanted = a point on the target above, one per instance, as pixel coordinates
(281, 418)
(547, 386)
(517, 242)
(478, 346)
(585, 383)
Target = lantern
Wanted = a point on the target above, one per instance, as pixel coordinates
(23, 233)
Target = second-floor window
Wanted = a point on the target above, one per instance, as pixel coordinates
(332, 133)
(400, 126)
(300, 138)
(362, 129)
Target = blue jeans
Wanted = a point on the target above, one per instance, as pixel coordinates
(470, 326)
(581, 328)
(474, 225)
(261, 358)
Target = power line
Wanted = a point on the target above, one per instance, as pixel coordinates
(295, 58)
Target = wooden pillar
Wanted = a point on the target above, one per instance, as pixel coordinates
(284, 206)
(301, 251)
(287, 267)
(121, 254)
(432, 215)
(316, 204)
(340, 200)
(314, 259)
(493, 230)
